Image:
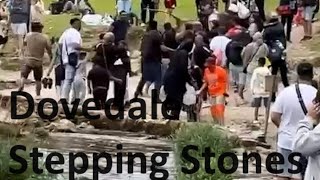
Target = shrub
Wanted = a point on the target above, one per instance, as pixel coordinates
(202, 136)
(6, 162)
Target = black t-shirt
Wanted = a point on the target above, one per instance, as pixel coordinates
(151, 46)
(169, 40)
(110, 53)
(120, 29)
(99, 76)
(200, 54)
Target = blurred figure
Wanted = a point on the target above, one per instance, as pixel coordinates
(170, 5)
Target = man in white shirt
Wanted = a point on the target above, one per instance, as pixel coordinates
(71, 43)
(287, 112)
(220, 42)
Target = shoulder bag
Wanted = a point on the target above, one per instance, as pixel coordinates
(303, 160)
(73, 57)
(245, 69)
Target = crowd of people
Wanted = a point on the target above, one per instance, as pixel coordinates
(229, 48)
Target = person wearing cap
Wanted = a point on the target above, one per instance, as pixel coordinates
(215, 80)
(36, 44)
(274, 30)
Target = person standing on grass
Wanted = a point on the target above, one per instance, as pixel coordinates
(71, 42)
(288, 110)
(309, 7)
(170, 6)
(124, 5)
(36, 44)
(147, 5)
(215, 80)
(19, 18)
(257, 86)
(287, 9)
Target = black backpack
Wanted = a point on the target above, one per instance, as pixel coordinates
(243, 37)
(233, 52)
(276, 51)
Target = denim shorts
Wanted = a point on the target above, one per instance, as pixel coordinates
(237, 74)
(308, 12)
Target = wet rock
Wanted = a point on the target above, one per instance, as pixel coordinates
(63, 125)
(41, 132)
(10, 130)
(85, 125)
(248, 143)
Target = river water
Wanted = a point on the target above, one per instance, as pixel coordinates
(107, 141)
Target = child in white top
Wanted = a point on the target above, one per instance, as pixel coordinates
(257, 86)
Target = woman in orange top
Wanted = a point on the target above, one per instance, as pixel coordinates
(216, 82)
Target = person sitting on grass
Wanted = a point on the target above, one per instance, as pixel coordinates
(257, 86)
(216, 82)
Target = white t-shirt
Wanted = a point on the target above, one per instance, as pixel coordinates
(257, 84)
(70, 37)
(287, 103)
(220, 42)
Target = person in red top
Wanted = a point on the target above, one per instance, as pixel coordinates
(170, 6)
(215, 80)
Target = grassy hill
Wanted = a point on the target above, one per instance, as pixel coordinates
(55, 24)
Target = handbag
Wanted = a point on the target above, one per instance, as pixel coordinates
(303, 160)
(73, 57)
(245, 69)
(284, 10)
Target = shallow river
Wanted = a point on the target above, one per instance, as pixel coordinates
(107, 141)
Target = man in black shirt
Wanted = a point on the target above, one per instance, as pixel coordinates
(151, 54)
(120, 27)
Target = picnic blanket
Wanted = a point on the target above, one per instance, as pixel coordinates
(97, 20)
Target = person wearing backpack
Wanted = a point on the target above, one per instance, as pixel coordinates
(288, 111)
(234, 61)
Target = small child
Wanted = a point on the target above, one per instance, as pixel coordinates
(257, 86)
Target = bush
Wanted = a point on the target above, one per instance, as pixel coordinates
(202, 136)
(6, 162)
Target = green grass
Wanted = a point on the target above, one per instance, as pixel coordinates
(6, 162)
(55, 24)
(202, 136)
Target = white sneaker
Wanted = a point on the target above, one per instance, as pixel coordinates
(143, 24)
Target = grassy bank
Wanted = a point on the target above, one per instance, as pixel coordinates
(202, 136)
(7, 162)
(55, 24)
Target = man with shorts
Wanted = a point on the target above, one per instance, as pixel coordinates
(309, 7)
(287, 112)
(19, 18)
(36, 44)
